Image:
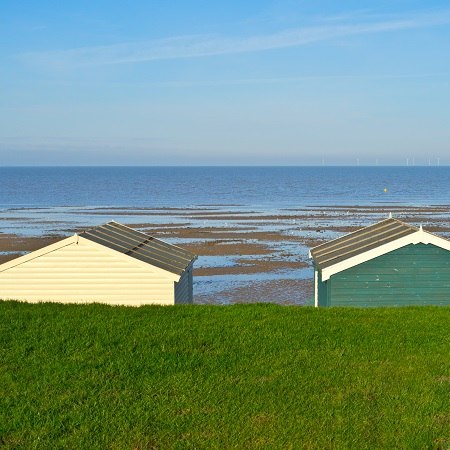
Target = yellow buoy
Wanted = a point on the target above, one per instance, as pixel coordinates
(385, 190)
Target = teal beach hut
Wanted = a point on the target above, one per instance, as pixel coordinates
(389, 263)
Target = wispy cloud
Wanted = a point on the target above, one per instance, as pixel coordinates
(284, 80)
(206, 45)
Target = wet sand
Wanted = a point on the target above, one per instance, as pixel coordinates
(14, 246)
(245, 256)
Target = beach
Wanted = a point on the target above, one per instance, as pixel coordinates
(245, 255)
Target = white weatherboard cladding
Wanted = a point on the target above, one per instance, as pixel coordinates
(77, 270)
(316, 289)
(419, 237)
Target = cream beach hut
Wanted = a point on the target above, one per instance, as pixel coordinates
(111, 264)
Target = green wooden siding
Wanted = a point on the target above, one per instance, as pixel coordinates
(412, 275)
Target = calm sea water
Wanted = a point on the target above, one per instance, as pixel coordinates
(262, 187)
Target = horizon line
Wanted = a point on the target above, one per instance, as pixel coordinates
(216, 165)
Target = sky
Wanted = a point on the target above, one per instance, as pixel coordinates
(279, 82)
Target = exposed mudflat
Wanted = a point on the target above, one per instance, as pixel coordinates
(244, 255)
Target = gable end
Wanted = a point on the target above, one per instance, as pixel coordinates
(420, 236)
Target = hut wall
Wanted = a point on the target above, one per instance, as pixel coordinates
(412, 275)
(79, 273)
(184, 288)
(322, 291)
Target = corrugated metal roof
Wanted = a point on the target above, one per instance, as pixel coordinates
(141, 246)
(360, 241)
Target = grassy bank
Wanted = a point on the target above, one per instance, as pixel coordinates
(249, 376)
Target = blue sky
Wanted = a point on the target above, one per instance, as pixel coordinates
(198, 82)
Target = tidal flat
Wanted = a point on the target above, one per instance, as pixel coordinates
(245, 255)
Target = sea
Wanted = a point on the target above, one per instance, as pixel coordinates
(262, 187)
(42, 201)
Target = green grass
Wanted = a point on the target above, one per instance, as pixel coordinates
(247, 376)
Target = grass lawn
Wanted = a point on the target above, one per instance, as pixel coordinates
(245, 376)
